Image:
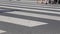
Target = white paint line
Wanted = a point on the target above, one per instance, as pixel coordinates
(36, 15)
(2, 31)
(51, 9)
(31, 10)
(28, 23)
(49, 12)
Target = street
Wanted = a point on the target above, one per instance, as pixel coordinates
(30, 20)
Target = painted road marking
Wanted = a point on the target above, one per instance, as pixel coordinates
(2, 31)
(28, 23)
(31, 10)
(36, 15)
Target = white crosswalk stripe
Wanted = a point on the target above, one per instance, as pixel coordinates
(32, 10)
(29, 23)
(2, 31)
(24, 22)
(36, 15)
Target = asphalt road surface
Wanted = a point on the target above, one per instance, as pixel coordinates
(30, 21)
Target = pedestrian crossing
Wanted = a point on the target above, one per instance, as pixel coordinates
(34, 6)
(36, 15)
(2, 31)
(26, 8)
(24, 22)
(28, 17)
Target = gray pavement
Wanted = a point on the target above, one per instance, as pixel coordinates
(30, 20)
(32, 5)
(29, 4)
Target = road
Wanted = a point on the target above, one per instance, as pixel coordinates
(30, 20)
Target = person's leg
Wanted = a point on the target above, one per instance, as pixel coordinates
(59, 1)
(49, 1)
(39, 1)
(56, 1)
(45, 1)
